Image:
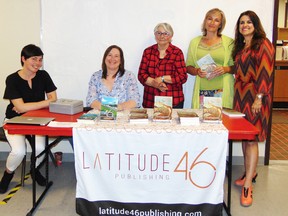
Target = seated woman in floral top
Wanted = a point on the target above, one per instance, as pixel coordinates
(113, 81)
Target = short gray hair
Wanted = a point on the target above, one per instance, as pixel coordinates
(167, 27)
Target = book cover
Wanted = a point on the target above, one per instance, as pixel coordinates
(108, 108)
(162, 108)
(207, 63)
(232, 113)
(88, 118)
(212, 109)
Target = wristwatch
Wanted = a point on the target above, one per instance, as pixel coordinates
(162, 78)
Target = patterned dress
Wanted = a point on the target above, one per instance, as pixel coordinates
(253, 75)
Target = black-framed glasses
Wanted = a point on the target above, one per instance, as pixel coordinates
(159, 34)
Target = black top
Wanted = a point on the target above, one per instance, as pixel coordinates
(16, 87)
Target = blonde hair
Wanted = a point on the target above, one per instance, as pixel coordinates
(223, 21)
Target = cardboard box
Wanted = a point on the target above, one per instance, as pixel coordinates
(66, 106)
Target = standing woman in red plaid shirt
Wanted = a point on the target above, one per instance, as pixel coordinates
(162, 71)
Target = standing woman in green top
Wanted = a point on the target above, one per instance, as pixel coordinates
(220, 82)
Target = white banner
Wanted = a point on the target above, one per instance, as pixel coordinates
(150, 167)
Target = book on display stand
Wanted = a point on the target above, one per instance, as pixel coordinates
(212, 109)
(162, 111)
(108, 110)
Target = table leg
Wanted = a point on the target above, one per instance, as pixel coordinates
(35, 202)
(33, 164)
(229, 175)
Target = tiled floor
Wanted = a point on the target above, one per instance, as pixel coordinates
(279, 135)
(269, 193)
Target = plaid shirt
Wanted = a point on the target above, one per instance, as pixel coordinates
(172, 64)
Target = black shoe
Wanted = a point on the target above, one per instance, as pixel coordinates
(5, 181)
(40, 179)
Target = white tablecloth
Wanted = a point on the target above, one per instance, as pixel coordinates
(149, 169)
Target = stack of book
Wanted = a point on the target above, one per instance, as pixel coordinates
(188, 118)
(138, 116)
(88, 118)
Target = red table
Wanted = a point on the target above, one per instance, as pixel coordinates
(45, 131)
(239, 129)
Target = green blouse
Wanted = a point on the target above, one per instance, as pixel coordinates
(221, 53)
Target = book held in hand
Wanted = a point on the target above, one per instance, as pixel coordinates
(207, 63)
(188, 117)
(212, 109)
(108, 108)
(162, 109)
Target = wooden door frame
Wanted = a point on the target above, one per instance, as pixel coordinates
(274, 41)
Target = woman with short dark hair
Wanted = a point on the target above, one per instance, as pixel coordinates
(29, 88)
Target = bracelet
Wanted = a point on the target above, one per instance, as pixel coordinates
(162, 78)
(259, 96)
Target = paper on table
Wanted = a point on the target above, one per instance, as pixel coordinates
(62, 124)
(232, 113)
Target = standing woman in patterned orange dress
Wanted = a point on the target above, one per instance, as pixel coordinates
(253, 54)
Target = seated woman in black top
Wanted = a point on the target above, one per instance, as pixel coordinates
(26, 90)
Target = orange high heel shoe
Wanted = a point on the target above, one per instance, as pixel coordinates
(246, 196)
(241, 180)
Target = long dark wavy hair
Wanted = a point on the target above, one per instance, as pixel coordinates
(258, 36)
(121, 70)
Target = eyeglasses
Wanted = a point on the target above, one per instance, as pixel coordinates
(159, 34)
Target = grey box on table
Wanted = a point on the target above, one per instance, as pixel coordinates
(66, 106)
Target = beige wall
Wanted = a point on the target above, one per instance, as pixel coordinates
(19, 26)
